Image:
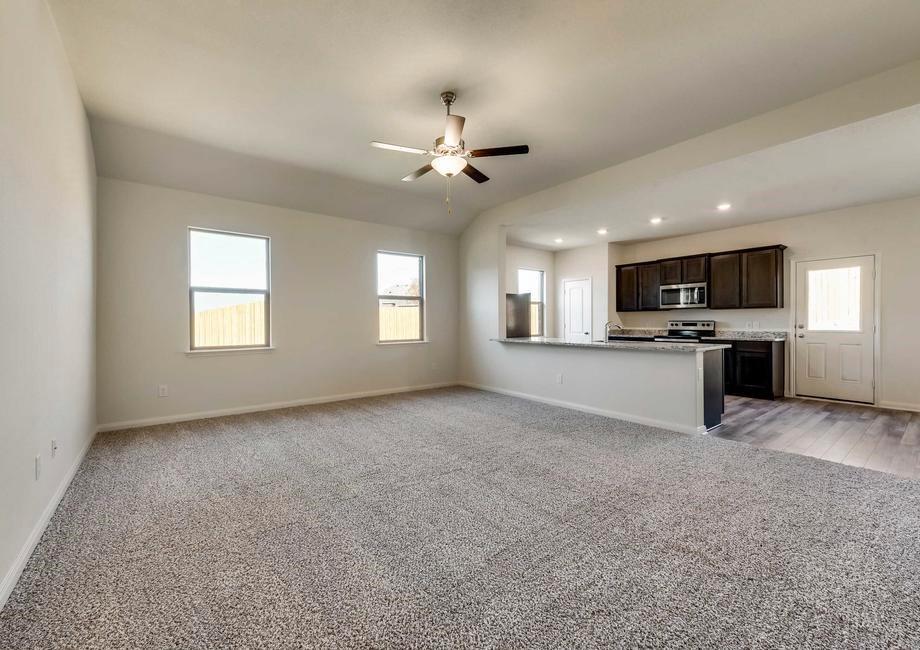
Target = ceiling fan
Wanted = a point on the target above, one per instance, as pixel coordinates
(450, 153)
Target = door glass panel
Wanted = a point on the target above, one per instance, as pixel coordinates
(833, 299)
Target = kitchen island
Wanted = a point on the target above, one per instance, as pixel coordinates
(673, 385)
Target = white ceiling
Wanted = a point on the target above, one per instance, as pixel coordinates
(587, 84)
(868, 161)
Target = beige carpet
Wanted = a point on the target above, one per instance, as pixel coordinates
(457, 518)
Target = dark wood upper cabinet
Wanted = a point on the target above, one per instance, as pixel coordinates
(725, 281)
(671, 272)
(742, 279)
(693, 269)
(762, 278)
(684, 270)
(627, 288)
(649, 285)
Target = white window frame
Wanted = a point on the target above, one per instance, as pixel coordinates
(192, 289)
(422, 303)
(542, 302)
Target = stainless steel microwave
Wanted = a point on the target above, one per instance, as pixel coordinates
(684, 296)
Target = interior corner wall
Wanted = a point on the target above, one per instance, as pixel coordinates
(323, 309)
(47, 296)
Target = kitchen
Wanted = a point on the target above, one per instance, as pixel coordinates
(679, 301)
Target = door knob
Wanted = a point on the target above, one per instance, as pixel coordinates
(800, 326)
(801, 336)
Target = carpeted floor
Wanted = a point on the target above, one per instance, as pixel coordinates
(457, 518)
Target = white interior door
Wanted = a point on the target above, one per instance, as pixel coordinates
(835, 329)
(577, 305)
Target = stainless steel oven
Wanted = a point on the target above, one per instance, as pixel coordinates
(684, 296)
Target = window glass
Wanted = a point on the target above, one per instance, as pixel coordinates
(228, 290)
(400, 297)
(531, 282)
(833, 299)
(398, 275)
(227, 260)
(228, 319)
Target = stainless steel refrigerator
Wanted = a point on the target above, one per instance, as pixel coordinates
(517, 315)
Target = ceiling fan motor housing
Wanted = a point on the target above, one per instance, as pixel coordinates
(442, 149)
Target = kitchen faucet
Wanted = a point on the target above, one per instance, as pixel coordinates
(607, 328)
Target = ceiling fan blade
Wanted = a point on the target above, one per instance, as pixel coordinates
(500, 151)
(453, 130)
(421, 171)
(475, 174)
(396, 147)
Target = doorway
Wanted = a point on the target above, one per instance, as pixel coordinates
(835, 329)
(577, 310)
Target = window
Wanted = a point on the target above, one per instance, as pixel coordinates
(400, 297)
(530, 281)
(228, 290)
(833, 299)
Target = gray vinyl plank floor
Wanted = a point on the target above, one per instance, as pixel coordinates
(862, 436)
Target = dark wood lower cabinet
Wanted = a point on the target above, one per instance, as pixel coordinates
(755, 369)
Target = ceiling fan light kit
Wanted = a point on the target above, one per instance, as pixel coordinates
(450, 165)
(451, 156)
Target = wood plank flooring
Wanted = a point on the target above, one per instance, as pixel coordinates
(879, 439)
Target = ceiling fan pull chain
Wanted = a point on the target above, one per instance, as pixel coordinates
(450, 209)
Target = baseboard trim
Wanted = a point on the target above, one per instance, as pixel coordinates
(900, 406)
(269, 406)
(661, 424)
(19, 564)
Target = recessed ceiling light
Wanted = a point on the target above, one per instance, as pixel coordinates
(724, 207)
(602, 231)
(558, 240)
(655, 220)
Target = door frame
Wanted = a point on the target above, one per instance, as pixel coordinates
(590, 293)
(876, 313)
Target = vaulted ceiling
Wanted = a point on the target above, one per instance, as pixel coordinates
(297, 89)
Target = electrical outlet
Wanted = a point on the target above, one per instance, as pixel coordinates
(559, 378)
(54, 447)
(38, 466)
(756, 324)
(162, 390)
(749, 324)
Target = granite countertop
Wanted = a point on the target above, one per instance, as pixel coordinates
(725, 335)
(748, 335)
(645, 346)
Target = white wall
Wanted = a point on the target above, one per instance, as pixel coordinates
(576, 264)
(890, 230)
(47, 227)
(521, 257)
(324, 308)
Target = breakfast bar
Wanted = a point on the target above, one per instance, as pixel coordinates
(673, 385)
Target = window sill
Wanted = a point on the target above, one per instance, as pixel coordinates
(208, 353)
(389, 343)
